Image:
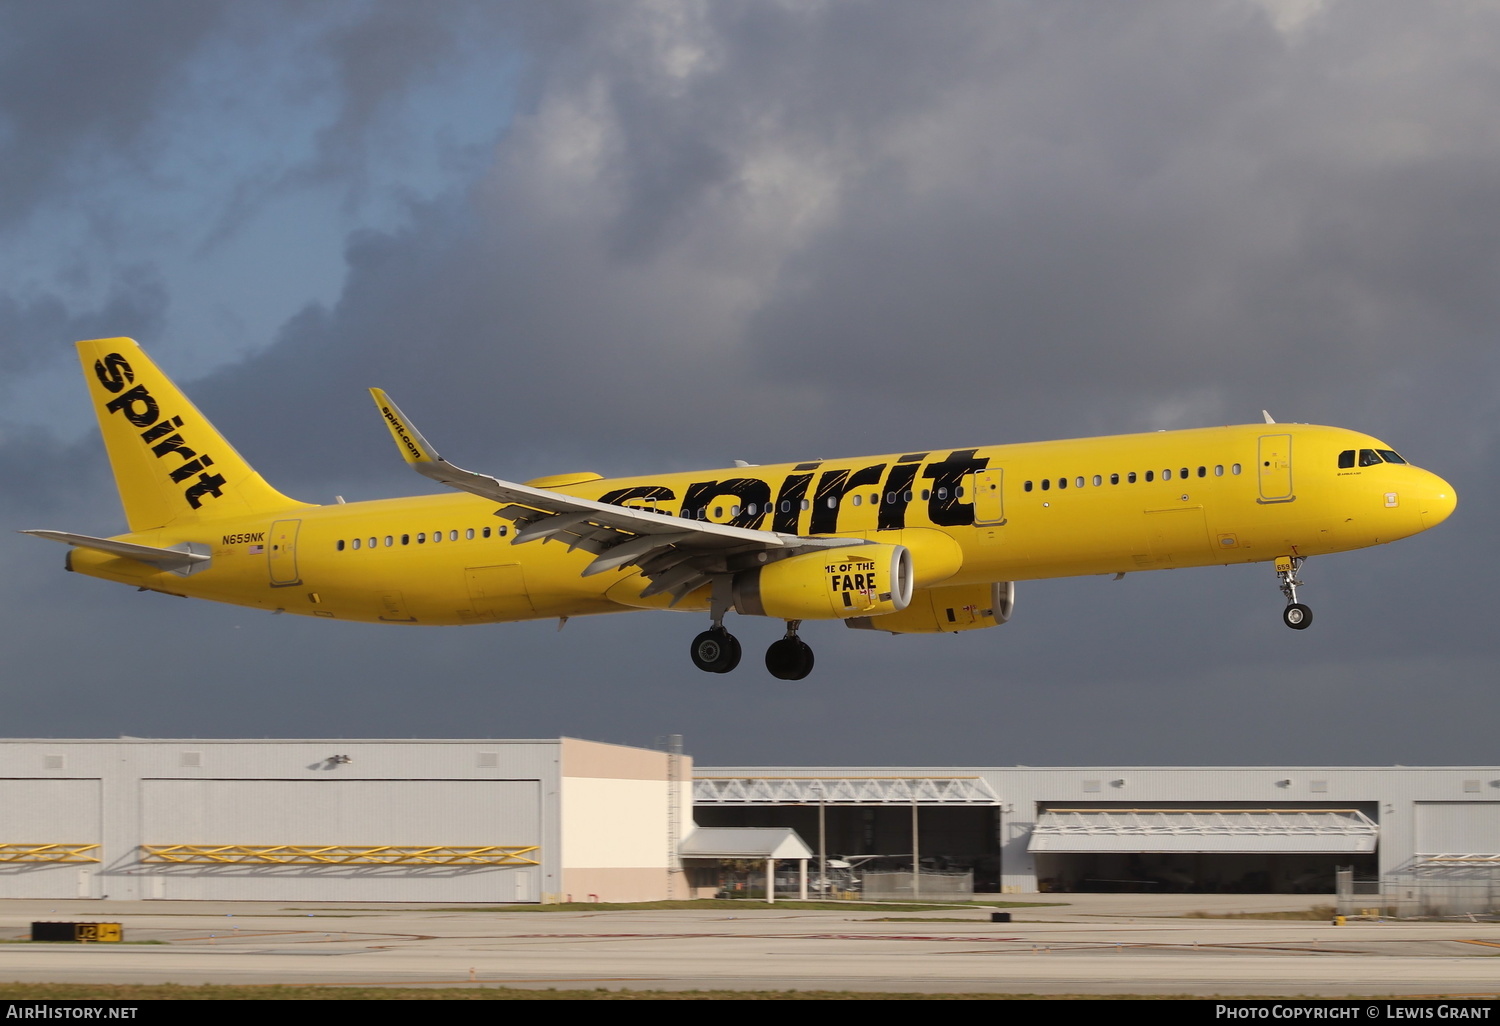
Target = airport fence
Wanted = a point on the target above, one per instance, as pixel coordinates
(895, 886)
(1426, 891)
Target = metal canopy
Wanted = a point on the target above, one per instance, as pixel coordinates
(1265, 831)
(744, 843)
(893, 790)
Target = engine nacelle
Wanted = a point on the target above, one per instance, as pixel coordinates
(831, 584)
(963, 607)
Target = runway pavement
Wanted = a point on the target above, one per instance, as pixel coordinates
(1095, 944)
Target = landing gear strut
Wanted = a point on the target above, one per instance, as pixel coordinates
(1296, 616)
(716, 650)
(790, 658)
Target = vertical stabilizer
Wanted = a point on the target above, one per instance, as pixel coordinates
(170, 463)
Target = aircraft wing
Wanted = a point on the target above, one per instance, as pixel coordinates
(676, 554)
(167, 559)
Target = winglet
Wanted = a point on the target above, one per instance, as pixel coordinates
(414, 448)
(1269, 419)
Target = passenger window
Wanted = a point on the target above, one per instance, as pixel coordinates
(874, 498)
(734, 510)
(341, 545)
(469, 534)
(1025, 488)
(833, 502)
(1368, 457)
(857, 500)
(1183, 473)
(1078, 481)
(1046, 483)
(421, 537)
(437, 536)
(1202, 471)
(750, 509)
(906, 495)
(1235, 469)
(1148, 476)
(1219, 470)
(356, 543)
(1166, 475)
(1062, 482)
(1114, 479)
(406, 539)
(942, 494)
(1098, 480)
(503, 530)
(1130, 478)
(958, 493)
(372, 543)
(926, 494)
(453, 536)
(807, 504)
(389, 541)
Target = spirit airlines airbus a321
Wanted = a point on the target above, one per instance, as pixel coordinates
(910, 543)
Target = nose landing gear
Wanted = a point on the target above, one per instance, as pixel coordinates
(790, 658)
(1296, 616)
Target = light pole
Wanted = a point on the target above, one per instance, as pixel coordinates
(817, 788)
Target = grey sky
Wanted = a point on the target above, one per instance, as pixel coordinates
(660, 236)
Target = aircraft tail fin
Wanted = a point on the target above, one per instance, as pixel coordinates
(170, 463)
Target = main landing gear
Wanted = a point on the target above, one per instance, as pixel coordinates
(1296, 616)
(790, 658)
(718, 651)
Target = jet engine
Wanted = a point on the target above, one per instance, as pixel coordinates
(963, 607)
(830, 584)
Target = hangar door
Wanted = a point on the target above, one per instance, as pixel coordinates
(1238, 850)
(341, 840)
(1458, 828)
(50, 831)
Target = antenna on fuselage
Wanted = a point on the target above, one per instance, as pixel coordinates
(1269, 419)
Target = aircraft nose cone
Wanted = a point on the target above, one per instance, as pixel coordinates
(1439, 502)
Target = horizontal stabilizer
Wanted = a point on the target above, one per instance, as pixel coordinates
(167, 559)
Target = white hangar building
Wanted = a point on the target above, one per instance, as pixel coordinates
(553, 820)
(1023, 829)
(339, 820)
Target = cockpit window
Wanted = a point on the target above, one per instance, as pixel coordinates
(1368, 457)
(1346, 459)
(1390, 457)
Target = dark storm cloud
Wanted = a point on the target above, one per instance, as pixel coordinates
(81, 81)
(30, 327)
(760, 218)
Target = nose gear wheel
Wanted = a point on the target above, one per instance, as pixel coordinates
(1296, 615)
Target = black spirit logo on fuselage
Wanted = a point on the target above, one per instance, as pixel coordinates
(945, 499)
(140, 408)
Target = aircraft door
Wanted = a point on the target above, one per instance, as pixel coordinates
(1275, 468)
(989, 496)
(281, 553)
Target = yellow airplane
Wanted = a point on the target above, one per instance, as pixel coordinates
(910, 543)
